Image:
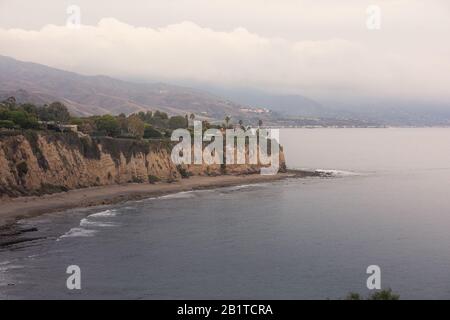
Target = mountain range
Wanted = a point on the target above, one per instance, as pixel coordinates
(94, 95)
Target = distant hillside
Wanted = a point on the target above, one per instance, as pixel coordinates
(282, 104)
(90, 95)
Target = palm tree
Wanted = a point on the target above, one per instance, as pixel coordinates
(227, 120)
(192, 117)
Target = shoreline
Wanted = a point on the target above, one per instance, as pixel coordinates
(12, 210)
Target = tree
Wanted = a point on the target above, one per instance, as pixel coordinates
(55, 112)
(30, 108)
(177, 122)
(76, 121)
(145, 116)
(159, 119)
(206, 125)
(10, 102)
(87, 126)
(160, 115)
(141, 115)
(20, 118)
(227, 120)
(191, 118)
(108, 125)
(123, 122)
(260, 123)
(151, 133)
(136, 126)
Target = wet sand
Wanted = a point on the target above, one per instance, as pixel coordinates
(12, 210)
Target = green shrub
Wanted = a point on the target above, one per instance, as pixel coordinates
(108, 124)
(353, 296)
(386, 294)
(137, 179)
(152, 133)
(153, 179)
(22, 169)
(20, 118)
(8, 124)
(183, 172)
(178, 122)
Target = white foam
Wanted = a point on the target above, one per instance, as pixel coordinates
(337, 173)
(179, 195)
(87, 223)
(78, 232)
(106, 213)
(244, 186)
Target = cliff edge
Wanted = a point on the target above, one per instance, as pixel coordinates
(37, 163)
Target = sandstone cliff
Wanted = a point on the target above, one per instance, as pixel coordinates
(33, 163)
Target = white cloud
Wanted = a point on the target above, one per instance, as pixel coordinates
(395, 62)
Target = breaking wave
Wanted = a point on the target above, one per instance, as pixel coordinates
(78, 232)
(87, 223)
(336, 173)
(179, 195)
(106, 213)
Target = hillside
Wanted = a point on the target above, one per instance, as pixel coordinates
(91, 95)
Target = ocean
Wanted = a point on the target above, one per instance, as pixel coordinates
(386, 202)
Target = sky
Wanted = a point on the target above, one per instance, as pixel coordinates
(322, 49)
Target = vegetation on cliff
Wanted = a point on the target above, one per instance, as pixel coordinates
(56, 117)
(149, 125)
(40, 152)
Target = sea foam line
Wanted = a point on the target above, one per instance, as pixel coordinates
(337, 173)
(106, 213)
(87, 223)
(78, 232)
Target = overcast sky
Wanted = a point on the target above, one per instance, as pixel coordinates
(317, 48)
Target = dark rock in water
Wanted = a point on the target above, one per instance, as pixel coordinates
(8, 243)
(11, 235)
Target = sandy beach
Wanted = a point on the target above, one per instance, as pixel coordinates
(12, 210)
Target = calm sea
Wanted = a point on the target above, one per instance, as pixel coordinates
(387, 204)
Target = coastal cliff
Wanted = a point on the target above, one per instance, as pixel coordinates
(37, 163)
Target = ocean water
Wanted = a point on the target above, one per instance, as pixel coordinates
(387, 203)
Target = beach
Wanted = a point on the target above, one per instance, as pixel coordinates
(15, 209)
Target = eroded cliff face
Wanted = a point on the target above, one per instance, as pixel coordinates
(38, 163)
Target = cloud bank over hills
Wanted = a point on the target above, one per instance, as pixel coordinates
(352, 64)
